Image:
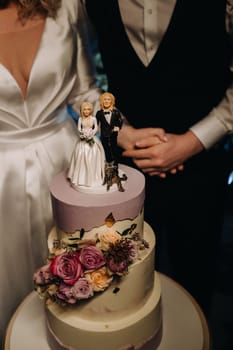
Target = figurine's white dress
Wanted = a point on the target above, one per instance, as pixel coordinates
(37, 137)
(87, 163)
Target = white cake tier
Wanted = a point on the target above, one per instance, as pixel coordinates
(118, 320)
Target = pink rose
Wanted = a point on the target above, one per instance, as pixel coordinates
(92, 257)
(65, 293)
(82, 289)
(118, 267)
(43, 275)
(67, 267)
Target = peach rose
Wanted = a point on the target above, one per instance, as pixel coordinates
(99, 279)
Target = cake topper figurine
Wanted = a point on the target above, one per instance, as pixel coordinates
(110, 122)
(87, 164)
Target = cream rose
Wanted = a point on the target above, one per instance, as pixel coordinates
(108, 237)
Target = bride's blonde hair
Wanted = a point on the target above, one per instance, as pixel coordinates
(86, 104)
(32, 8)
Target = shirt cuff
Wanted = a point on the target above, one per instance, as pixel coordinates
(209, 130)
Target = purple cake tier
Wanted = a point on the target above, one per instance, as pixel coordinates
(74, 210)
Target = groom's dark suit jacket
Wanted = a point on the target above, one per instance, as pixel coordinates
(187, 77)
(185, 80)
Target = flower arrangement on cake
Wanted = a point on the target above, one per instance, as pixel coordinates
(78, 268)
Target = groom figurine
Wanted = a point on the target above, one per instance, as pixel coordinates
(109, 120)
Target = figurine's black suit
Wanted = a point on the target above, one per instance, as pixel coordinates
(107, 133)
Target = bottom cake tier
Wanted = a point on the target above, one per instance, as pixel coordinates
(102, 324)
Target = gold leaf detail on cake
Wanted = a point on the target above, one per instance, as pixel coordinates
(110, 221)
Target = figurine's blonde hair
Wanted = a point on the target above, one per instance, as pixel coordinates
(83, 105)
(109, 95)
(32, 8)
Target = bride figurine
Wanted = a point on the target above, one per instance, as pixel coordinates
(86, 171)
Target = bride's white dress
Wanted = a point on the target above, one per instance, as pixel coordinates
(86, 168)
(37, 138)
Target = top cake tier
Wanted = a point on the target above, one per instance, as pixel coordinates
(74, 211)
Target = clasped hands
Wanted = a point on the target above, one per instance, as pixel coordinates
(156, 152)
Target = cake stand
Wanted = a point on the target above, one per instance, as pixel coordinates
(184, 325)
